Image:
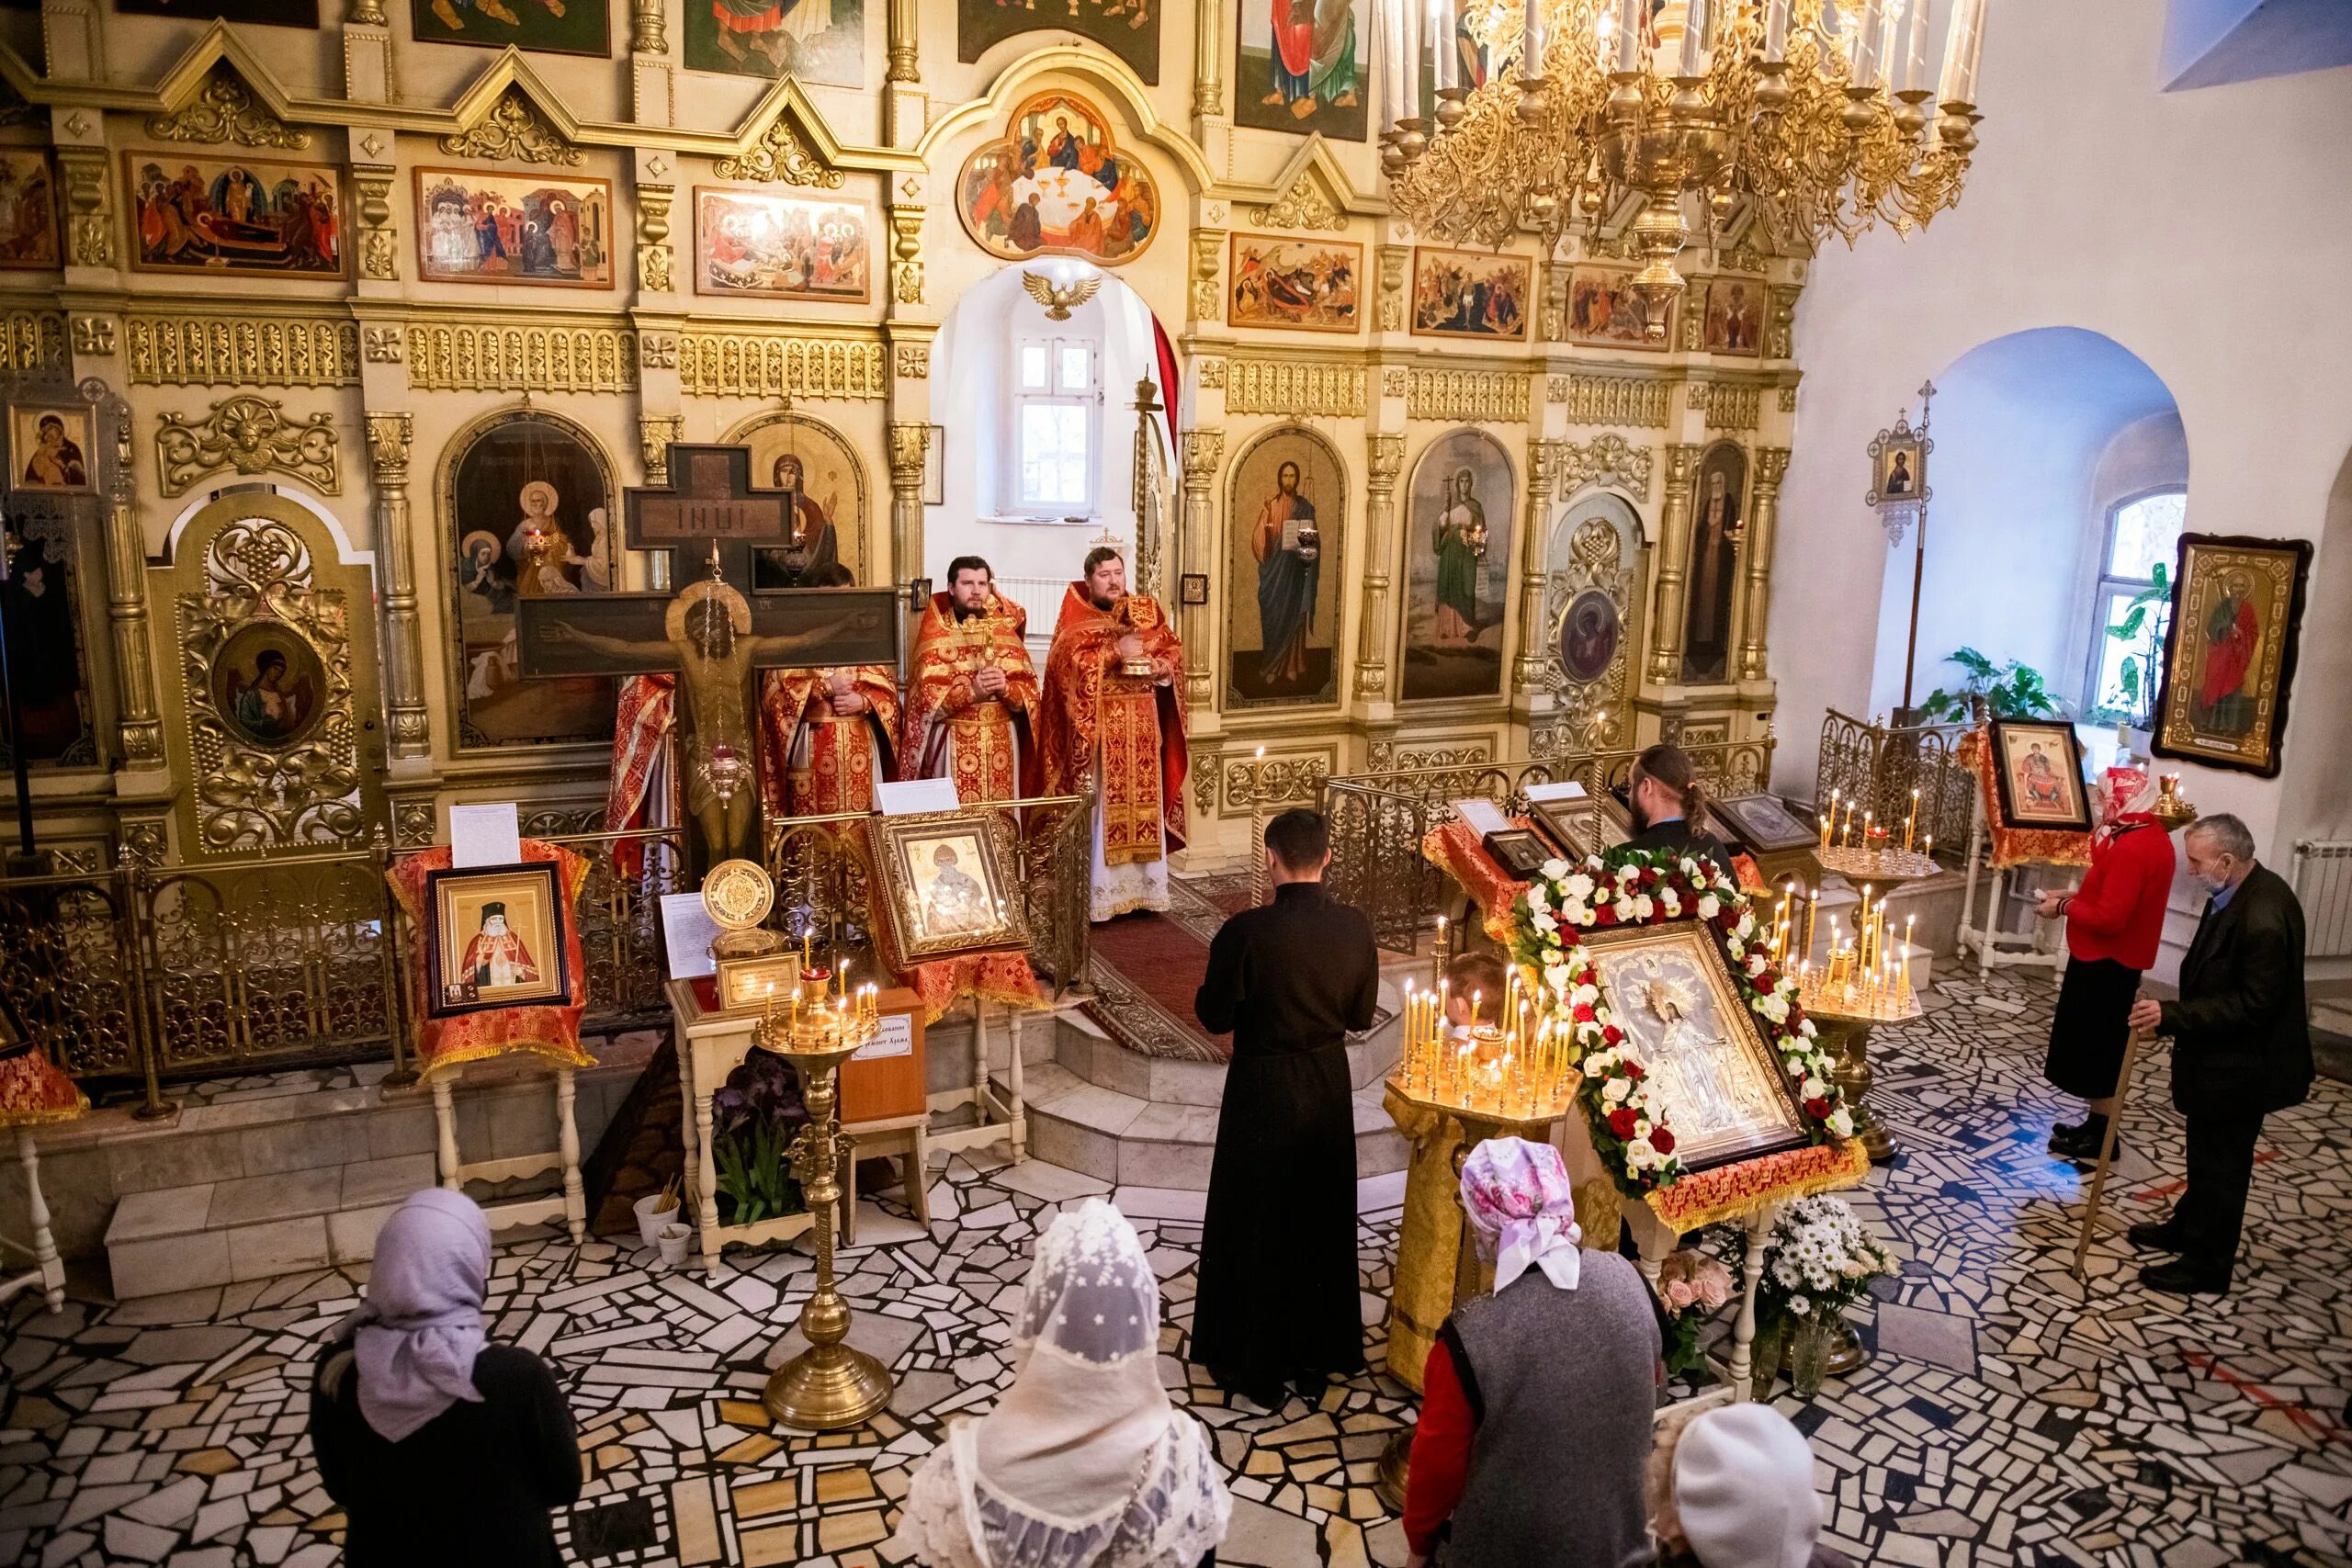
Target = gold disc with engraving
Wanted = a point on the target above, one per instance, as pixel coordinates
(738, 894)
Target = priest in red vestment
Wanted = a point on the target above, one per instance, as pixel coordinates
(1114, 712)
(972, 695)
(833, 730)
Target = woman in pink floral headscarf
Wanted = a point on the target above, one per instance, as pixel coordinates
(1536, 1400)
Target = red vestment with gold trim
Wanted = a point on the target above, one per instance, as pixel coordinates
(1127, 729)
(987, 745)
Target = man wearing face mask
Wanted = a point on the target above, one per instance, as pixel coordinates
(1666, 803)
(2241, 1049)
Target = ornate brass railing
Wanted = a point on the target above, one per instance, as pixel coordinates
(1880, 765)
(1378, 819)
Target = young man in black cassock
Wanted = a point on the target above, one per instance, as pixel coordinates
(1277, 1301)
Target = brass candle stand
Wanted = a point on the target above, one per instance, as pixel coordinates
(830, 1385)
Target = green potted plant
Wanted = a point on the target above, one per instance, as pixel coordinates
(2001, 691)
(2143, 628)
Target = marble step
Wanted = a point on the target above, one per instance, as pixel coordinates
(252, 1227)
(1131, 1141)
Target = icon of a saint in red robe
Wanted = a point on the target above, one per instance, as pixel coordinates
(496, 956)
(2232, 637)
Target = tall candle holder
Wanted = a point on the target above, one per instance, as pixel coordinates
(830, 1385)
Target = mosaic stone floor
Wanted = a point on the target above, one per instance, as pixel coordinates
(2008, 1416)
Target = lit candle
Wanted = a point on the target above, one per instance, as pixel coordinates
(1929, 849)
(1962, 45)
(1911, 821)
(1811, 914)
(1696, 22)
(1437, 955)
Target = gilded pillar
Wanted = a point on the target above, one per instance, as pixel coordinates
(1385, 460)
(655, 431)
(379, 243)
(89, 214)
(1203, 454)
(653, 238)
(906, 253)
(910, 440)
(388, 443)
(647, 22)
(1673, 563)
(1208, 62)
(134, 662)
(1771, 464)
(1544, 457)
(366, 13)
(905, 29)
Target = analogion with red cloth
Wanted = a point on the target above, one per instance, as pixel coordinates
(542, 1029)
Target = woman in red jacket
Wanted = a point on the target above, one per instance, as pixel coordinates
(2114, 922)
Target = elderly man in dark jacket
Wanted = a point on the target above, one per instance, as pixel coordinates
(2241, 1048)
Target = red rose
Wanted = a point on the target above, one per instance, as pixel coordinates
(1622, 1121)
(1662, 1140)
(1604, 914)
(1583, 1013)
(1650, 876)
(1633, 1071)
(1817, 1108)
(1612, 1033)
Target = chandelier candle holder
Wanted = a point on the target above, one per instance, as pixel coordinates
(1518, 1070)
(1870, 852)
(830, 1385)
(1821, 118)
(1865, 978)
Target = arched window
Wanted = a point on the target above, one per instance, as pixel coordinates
(2128, 616)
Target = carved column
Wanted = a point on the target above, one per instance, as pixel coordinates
(653, 238)
(379, 243)
(367, 13)
(1208, 62)
(1203, 455)
(655, 431)
(89, 214)
(1208, 261)
(1543, 458)
(1771, 464)
(647, 22)
(910, 440)
(906, 253)
(1673, 563)
(1385, 460)
(905, 28)
(134, 662)
(387, 443)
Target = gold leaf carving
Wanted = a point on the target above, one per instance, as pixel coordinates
(1619, 400)
(224, 111)
(1294, 386)
(1733, 405)
(212, 349)
(33, 339)
(512, 129)
(1607, 458)
(779, 155)
(251, 435)
(471, 357)
(1276, 781)
(1487, 395)
(1305, 205)
(764, 365)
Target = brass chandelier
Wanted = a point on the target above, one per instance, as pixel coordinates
(1814, 113)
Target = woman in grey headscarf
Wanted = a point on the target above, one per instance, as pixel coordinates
(442, 1448)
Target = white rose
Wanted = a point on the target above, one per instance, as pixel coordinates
(1536, 897)
(1596, 1065)
(1746, 926)
(1580, 887)
(1776, 1008)
(1555, 869)
(1615, 1090)
(1556, 977)
(1672, 905)
(1806, 1029)
(1643, 908)
(1625, 907)
(1841, 1124)
(1584, 995)
(1812, 1088)
(1542, 920)
(1756, 963)
(1640, 1155)
(1709, 905)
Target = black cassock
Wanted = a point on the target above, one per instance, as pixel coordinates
(1278, 1297)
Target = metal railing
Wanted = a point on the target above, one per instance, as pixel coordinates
(1378, 819)
(1880, 765)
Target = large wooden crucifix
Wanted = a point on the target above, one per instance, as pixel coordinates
(715, 633)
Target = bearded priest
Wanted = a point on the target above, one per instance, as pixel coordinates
(1113, 712)
(972, 696)
(833, 729)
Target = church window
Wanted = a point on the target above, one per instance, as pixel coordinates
(1058, 426)
(2142, 534)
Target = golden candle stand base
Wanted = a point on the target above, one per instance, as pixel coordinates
(1858, 864)
(1847, 1037)
(830, 1385)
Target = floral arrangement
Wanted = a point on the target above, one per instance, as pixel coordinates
(1638, 887)
(1693, 1287)
(754, 1117)
(1820, 1260)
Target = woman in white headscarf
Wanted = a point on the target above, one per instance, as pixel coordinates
(1084, 1463)
(444, 1449)
(1535, 1400)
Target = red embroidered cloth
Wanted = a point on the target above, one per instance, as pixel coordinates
(2017, 846)
(549, 1030)
(1698, 1199)
(995, 976)
(1454, 848)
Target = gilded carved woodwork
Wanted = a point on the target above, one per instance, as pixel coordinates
(779, 365)
(1394, 261)
(1291, 386)
(1460, 397)
(512, 130)
(366, 13)
(224, 111)
(1388, 756)
(1208, 260)
(1780, 324)
(779, 156)
(1588, 716)
(1543, 473)
(1607, 460)
(379, 243)
(1756, 551)
(1789, 399)
(1733, 405)
(89, 211)
(1202, 454)
(1641, 400)
(1212, 370)
(1673, 563)
(385, 346)
(657, 350)
(1253, 784)
(647, 23)
(911, 361)
(909, 441)
(35, 340)
(389, 435)
(653, 253)
(93, 334)
(1305, 205)
(903, 45)
(655, 433)
(485, 356)
(906, 254)
(414, 823)
(204, 350)
(251, 435)
(1384, 462)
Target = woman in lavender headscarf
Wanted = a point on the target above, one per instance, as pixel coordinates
(443, 1449)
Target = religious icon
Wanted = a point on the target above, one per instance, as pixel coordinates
(2037, 765)
(1302, 65)
(1129, 28)
(817, 468)
(556, 27)
(1732, 325)
(1900, 467)
(813, 41)
(1057, 185)
(526, 496)
(1457, 567)
(1471, 294)
(49, 445)
(268, 685)
(45, 657)
(482, 228)
(199, 213)
(494, 937)
(1706, 1063)
(1590, 630)
(748, 245)
(1762, 822)
(2229, 651)
(1603, 309)
(27, 211)
(1289, 500)
(1309, 285)
(948, 894)
(1721, 487)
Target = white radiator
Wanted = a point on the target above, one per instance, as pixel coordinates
(2323, 886)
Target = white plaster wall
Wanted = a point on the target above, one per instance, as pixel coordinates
(2207, 232)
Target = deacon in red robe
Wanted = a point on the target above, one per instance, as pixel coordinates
(1114, 713)
(833, 729)
(972, 696)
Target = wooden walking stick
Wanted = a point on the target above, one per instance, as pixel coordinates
(2107, 1149)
